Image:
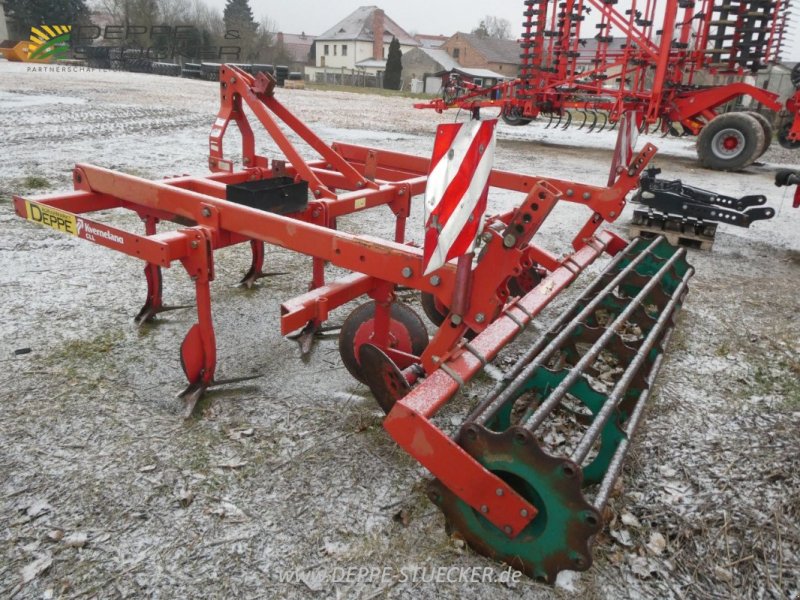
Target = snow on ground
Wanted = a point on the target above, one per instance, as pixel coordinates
(105, 491)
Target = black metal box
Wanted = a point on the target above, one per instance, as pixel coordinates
(278, 195)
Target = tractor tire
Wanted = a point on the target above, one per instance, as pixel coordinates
(769, 130)
(794, 76)
(730, 142)
(514, 117)
(783, 136)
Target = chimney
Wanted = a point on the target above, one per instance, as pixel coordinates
(280, 38)
(377, 33)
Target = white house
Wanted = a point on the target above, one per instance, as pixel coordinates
(357, 46)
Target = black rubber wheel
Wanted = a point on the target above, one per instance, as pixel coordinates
(769, 131)
(730, 142)
(783, 136)
(407, 333)
(513, 116)
(794, 76)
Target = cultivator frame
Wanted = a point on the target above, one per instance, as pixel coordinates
(410, 381)
(656, 73)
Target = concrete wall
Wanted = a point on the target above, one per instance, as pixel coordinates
(417, 64)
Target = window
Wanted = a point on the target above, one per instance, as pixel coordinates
(384, 52)
(334, 49)
(456, 52)
(344, 49)
(326, 50)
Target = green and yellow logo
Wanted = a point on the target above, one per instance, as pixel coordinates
(49, 42)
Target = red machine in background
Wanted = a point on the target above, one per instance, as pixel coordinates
(664, 69)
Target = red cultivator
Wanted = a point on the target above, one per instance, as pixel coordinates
(498, 482)
(663, 69)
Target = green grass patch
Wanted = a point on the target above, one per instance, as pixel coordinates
(34, 182)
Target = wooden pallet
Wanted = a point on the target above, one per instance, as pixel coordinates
(687, 239)
(291, 84)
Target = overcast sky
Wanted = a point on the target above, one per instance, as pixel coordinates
(420, 16)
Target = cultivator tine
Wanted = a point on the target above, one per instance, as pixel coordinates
(594, 121)
(589, 375)
(195, 391)
(585, 118)
(605, 121)
(256, 270)
(550, 122)
(154, 304)
(558, 123)
(306, 336)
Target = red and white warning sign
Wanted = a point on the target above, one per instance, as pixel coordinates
(458, 185)
(628, 134)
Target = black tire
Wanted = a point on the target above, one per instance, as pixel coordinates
(730, 142)
(769, 131)
(794, 76)
(513, 116)
(783, 137)
(401, 315)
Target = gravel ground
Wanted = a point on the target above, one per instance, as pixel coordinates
(106, 492)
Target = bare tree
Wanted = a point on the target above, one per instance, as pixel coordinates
(493, 27)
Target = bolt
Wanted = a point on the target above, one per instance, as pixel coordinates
(586, 195)
(206, 212)
(499, 491)
(480, 318)
(509, 240)
(570, 192)
(613, 213)
(481, 149)
(406, 272)
(487, 237)
(484, 509)
(246, 160)
(318, 193)
(456, 319)
(233, 79)
(315, 213)
(436, 280)
(450, 154)
(401, 192)
(508, 529)
(523, 512)
(360, 184)
(194, 244)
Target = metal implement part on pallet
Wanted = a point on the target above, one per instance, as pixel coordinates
(674, 199)
(508, 495)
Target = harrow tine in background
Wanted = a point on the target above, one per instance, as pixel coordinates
(594, 121)
(585, 118)
(569, 120)
(605, 121)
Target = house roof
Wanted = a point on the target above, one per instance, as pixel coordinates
(431, 41)
(370, 63)
(448, 64)
(298, 45)
(358, 26)
(494, 50)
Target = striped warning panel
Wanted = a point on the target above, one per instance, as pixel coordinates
(457, 188)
